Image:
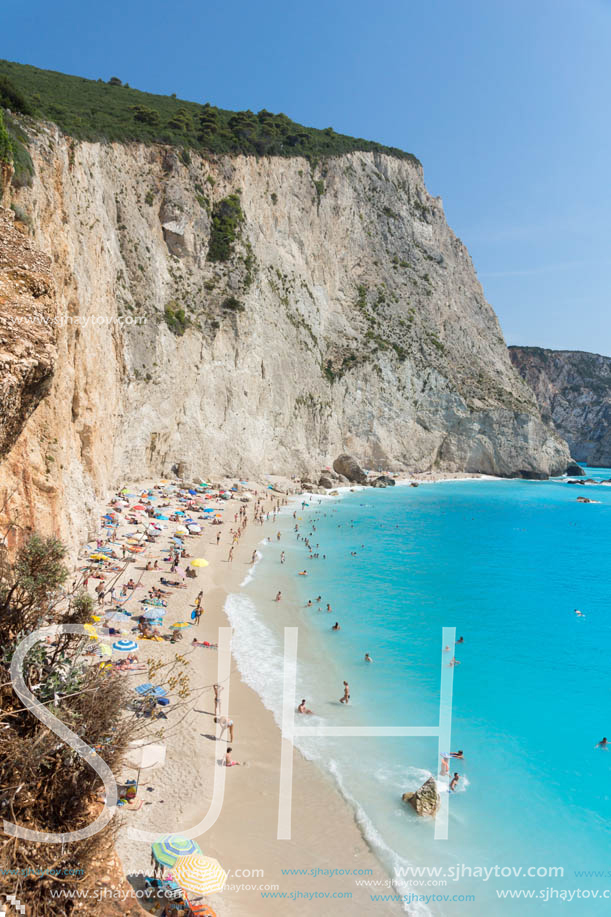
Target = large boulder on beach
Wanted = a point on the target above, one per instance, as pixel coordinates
(384, 481)
(426, 800)
(324, 481)
(348, 466)
(575, 470)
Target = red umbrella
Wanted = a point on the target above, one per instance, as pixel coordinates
(138, 506)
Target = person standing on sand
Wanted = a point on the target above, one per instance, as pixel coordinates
(346, 698)
(226, 724)
(278, 597)
(217, 699)
(254, 557)
(218, 538)
(282, 558)
(230, 555)
(198, 599)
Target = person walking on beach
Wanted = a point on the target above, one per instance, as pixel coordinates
(278, 597)
(282, 558)
(218, 538)
(346, 698)
(254, 557)
(230, 555)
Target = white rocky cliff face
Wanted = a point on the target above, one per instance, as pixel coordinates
(347, 318)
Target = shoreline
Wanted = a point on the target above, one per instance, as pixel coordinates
(251, 793)
(325, 835)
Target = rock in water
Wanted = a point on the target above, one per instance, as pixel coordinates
(575, 470)
(426, 800)
(384, 481)
(349, 467)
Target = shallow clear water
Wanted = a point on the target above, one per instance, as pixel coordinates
(506, 562)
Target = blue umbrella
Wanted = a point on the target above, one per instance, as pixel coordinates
(153, 612)
(209, 509)
(125, 646)
(160, 516)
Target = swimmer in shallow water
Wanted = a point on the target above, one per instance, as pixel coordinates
(336, 626)
(368, 658)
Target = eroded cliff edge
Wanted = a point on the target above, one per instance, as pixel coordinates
(573, 390)
(346, 317)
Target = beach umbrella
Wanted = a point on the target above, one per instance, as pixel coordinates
(179, 512)
(168, 848)
(195, 528)
(161, 516)
(209, 509)
(98, 557)
(199, 562)
(125, 646)
(103, 649)
(181, 531)
(115, 617)
(153, 614)
(142, 755)
(180, 624)
(138, 506)
(199, 874)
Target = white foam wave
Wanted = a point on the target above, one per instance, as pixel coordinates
(389, 857)
(249, 576)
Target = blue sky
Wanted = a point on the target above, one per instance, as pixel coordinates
(506, 102)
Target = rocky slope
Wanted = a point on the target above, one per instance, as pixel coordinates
(346, 317)
(573, 390)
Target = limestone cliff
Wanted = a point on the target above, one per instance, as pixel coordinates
(573, 390)
(246, 315)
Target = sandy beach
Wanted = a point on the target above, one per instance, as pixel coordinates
(177, 795)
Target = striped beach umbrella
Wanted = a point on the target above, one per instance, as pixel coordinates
(125, 646)
(181, 624)
(168, 848)
(200, 874)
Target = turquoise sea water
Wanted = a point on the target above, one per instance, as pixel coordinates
(506, 563)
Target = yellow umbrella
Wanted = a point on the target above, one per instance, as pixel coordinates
(91, 631)
(98, 557)
(200, 874)
(182, 624)
(199, 562)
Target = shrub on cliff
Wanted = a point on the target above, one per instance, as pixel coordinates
(226, 218)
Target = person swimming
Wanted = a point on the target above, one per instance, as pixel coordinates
(368, 658)
(603, 743)
(302, 707)
(454, 782)
(336, 626)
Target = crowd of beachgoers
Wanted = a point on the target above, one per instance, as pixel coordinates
(146, 573)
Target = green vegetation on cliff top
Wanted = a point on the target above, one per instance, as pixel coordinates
(113, 111)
